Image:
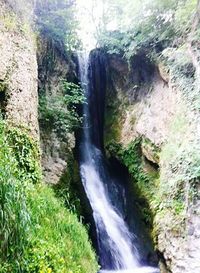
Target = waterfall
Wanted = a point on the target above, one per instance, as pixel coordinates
(115, 242)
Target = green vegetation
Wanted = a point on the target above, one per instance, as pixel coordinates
(10, 22)
(159, 194)
(58, 241)
(168, 33)
(26, 153)
(181, 160)
(112, 121)
(68, 186)
(59, 112)
(144, 183)
(3, 86)
(56, 19)
(38, 234)
(140, 25)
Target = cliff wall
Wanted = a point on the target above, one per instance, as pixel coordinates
(149, 117)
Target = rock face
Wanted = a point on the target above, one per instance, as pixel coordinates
(18, 71)
(53, 66)
(23, 64)
(146, 102)
(143, 101)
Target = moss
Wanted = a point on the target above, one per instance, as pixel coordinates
(144, 184)
(3, 86)
(112, 123)
(153, 151)
(10, 21)
(157, 196)
(154, 203)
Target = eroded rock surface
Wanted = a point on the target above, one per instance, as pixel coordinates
(18, 70)
(146, 103)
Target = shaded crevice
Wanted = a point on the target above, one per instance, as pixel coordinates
(98, 79)
(133, 206)
(3, 98)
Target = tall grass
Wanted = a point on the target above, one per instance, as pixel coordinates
(59, 243)
(37, 233)
(14, 215)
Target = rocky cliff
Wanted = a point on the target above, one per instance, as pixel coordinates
(32, 64)
(54, 65)
(18, 70)
(148, 116)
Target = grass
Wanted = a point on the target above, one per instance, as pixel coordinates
(38, 233)
(59, 243)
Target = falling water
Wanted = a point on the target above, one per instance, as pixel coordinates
(114, 239)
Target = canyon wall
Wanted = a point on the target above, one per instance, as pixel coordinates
(149, 117)
(54, 65)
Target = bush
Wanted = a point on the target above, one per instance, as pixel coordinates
(26, 153)
(59, 113)
(146, 25)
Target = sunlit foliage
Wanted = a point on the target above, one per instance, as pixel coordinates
(56, 18)
(130, 25)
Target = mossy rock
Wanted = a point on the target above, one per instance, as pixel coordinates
(150, 151)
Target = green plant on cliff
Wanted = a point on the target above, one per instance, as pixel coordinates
(26, 153)
(38, 234)
(180, 157)
(143, 183)
(68, 186)
(131, 157)
(59, 112)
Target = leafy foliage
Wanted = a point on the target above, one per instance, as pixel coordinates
(26, 153)
(131, 157)
(181, 157)
(60, 112)
(57, 240)
(56, 18)
(143, 183)
(145, 24)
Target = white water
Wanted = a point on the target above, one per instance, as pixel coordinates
(112, 230)
(137, 270)
(115, 227)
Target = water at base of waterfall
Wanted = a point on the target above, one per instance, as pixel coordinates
(137, 270)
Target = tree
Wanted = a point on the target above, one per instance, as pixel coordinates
(56, 18)
(148, 23)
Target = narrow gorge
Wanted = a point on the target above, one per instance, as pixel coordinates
(99, 136)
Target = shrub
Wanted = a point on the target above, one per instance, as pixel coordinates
(59, 113)
(26, 153)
